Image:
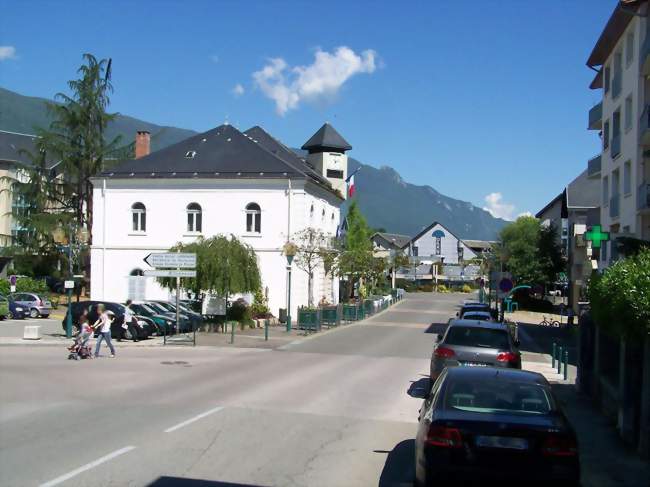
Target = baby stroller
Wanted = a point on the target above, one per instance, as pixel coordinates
(80, 348)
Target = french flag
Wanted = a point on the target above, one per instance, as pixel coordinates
(350, 182)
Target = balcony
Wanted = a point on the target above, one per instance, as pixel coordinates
(615, 206)
(644, 126)
(593, 167)
(643, 197)
(596, 117)
(644, 56)
(617, 84)
(615, 147)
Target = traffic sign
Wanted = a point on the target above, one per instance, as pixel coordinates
(68, 284)
(172, 260)
(505, 285)
(170, 273)
(12, 280)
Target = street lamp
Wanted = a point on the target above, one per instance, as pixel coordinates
(67, 240)
(290, 251)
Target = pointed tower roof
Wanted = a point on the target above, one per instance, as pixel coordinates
(326, 138)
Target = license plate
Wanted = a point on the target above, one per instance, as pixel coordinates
(473, 364)
(502, 442)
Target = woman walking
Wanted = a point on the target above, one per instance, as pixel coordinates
(104, 324)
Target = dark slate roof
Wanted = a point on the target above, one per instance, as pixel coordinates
(616, 25)
(277, 148)
(327, 138)
(399, 241)
(12, 144)
(222, 152)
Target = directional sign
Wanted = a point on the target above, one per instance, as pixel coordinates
(170, 273)
(172, 259)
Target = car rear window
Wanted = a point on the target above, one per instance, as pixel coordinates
(477, 337)
(476, 316)
(498, 396)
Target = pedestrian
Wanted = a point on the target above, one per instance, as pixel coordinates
(128, 324)
(85, 330)
(103, 323)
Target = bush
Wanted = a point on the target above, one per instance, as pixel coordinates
(239, 311)
(25, 285)
(260, 306)
(427, 288)
(466, 288)
(442, 288)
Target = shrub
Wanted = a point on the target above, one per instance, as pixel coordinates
(260, 306)
(25, 285)
(239, 311)
(427, 288)
(442, 288)
(466, 288)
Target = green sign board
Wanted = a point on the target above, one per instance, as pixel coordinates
(595, 235)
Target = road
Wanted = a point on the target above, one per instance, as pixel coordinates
(335, 409)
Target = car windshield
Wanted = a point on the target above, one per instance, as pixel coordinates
(472, 336)
(476, 316)
(167, 306)
(158, 308)
(498, 396)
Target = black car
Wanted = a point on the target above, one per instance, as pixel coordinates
(144, 329)
(472, 307)
(494, 425)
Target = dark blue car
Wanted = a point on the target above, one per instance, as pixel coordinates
(16, 311)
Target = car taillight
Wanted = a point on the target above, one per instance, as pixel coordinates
(444, 352)
(445, 437)
(507, 357)
(559, 446)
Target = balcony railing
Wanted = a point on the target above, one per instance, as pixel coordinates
(596, 117)
(643, 197)
(615, 146)
(617, 84)
(614, 206)
(593, 167)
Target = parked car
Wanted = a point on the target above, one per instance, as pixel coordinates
(37, 305)
(194, 318)
(477, 315)
(16, 311)
(475, 344)
(4, 307)
(163, 323)
(144, 328)
(185, 324)
(492, 426)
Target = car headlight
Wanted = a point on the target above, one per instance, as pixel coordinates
(18, 309)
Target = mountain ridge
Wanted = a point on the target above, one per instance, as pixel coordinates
(384, 197)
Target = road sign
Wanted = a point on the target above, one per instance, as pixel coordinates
(12, 280)
(68, 284)
(172, 260)
(505, 285)
(170, 273)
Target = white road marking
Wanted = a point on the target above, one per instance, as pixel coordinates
(195, 418)
(88, 466)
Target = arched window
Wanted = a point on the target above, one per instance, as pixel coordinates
(253, 218)
(194, 218)
(139, 217)
(137, 272)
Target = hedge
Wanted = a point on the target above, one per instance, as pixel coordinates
(24, 285)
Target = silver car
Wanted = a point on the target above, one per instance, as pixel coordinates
(36, 306)
(472, 343)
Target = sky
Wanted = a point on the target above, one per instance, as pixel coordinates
(484, 100)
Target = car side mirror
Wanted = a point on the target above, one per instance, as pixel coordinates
(439, 336)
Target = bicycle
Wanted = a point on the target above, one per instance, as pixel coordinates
(550, 322)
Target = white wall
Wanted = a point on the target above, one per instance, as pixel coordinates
(119, 251)
(426, 245)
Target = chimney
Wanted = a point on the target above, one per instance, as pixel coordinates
(142, 143)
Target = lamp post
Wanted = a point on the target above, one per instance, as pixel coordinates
(68, 242)
(290, 251)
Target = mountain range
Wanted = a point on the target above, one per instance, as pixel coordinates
(387, 201)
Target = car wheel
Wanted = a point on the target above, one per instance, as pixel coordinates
(128, 335)
(34, 313)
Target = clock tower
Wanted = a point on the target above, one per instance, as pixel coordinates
(326, 153)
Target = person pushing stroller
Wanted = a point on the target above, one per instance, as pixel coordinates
(80, 348)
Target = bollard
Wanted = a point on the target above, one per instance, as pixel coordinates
(566, 364)
(232, 331)
(266, 330)
(554, 352)
(559, 360)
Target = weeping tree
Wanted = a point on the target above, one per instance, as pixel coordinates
(224, 266)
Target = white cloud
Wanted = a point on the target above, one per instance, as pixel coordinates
(497, 207)
(7, 52)
(525, 213)
(238, 90)
(214, 58)
(289, 86)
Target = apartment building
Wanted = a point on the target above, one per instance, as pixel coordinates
(621, 59)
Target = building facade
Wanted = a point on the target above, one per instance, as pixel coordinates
(621, 58)
(245, 184)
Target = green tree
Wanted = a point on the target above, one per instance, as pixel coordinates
(529, 251)
(355, 260)
(620, 297)
(312, 245)
(224, 266)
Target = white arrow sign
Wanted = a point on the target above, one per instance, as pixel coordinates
(171, 259)
(170, 273)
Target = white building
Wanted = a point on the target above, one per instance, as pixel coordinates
(621, 58)
(441, 245)
(222, 181)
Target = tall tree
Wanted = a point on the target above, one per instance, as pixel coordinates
(312, 246)
(356, 257)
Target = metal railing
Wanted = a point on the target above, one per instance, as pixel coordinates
(643, 196)
(593, 166)
(614, 206)
(596, 116)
